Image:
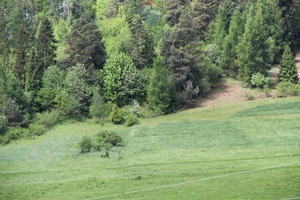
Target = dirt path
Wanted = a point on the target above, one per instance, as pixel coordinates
(231, 91)
(228, 92)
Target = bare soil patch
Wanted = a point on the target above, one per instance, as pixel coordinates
(233, 92)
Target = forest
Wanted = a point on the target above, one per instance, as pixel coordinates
(120, 60)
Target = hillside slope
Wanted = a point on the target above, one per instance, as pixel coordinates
(191, 145)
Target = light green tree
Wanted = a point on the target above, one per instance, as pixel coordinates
(288, 71)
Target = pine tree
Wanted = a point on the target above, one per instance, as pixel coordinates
(4, 41)
(41, 57)
(174, 9)
(141, 49)
(229, 53)
(205, 11)
(288, 71)
(159, 91)
(291, 13)
(252, 54)
(181, 55)
(221, 27)
(85, 45)
(274, 25)
(21, 49)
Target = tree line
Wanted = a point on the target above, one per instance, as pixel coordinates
(93, 57)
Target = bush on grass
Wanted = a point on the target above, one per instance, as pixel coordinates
(131, 119)
(260, 81)
(109, 138)
(117, 115)
(285, 89)
(3, 125)
(85, 144)
(49, 119)
(13, 134)
(37, 129)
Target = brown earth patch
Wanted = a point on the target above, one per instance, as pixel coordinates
(234, 92)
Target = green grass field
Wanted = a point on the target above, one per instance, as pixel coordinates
(186, 146)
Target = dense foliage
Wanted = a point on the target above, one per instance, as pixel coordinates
(95, 57)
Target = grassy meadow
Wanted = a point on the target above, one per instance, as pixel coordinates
(185, 146)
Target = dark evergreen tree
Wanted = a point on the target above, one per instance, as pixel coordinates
(291, 14)
(4, 41)
(141, 49)
(85, 45)
(21, 56)
(252, 54)
(159, 91)
(174, 8)
(181, 55)
(205, 11)
(288, 71)
(275, 26)
(10, 89)
(229, 53)
(41, 57)
(30, 71)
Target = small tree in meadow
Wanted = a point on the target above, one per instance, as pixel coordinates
(288, 71)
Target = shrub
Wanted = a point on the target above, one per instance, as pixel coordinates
(3, 125)
(117, 115)
(49, 119)
(146, 112)
(85, 144)
(105, 138)
(135, 108)
(99, 108)
(259, 80)
(13, 134)
(285, 89)
(131, 119)
(13, 114)
(37, 129)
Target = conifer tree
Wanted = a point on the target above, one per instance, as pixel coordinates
(288, 71)
(205, 11)
(159, 91)
(252, 54)
(85, 45)
(174, 9)
(21, 49)
(44, 55)
(182, 57)
(141, 49)
(274, 25)
(4, 42)
(229, 53)
(221, 26)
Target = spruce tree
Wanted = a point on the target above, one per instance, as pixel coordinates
(159, 91)
(4, 41)
(174, 9)
(181, 55)
(288, 71)
(252, 56)
(21, 50)
(229, 53)
(85, 45)
(274, 24)
(141, 49)
(42, 56)
(205, 11)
